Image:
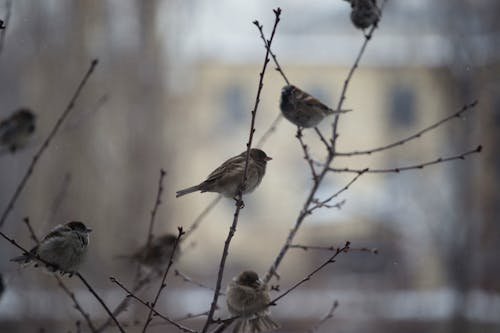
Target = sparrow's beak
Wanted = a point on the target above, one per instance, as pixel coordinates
(267, 158)
(88, 230)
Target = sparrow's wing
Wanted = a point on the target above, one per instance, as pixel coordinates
(56, 233)
(230, 168)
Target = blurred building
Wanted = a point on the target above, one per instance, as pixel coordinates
(181, 77)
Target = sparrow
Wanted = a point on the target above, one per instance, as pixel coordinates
(227, 178)
(63, 249)
(247, 298)
(364, 13)
(17, 129)
(302, 109)
(157, 254)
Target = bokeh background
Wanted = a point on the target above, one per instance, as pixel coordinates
(174, 87)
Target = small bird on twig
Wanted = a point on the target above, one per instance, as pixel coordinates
(364, 13)
(157, 254)
(63, 249)
(302, 109)
(247, 297)
(226, 179)
(16, 130)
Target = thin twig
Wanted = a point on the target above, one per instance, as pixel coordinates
(307, 157)
(268, 47)
(99, 299)
(456, 115)
(332, 248)
(163, 284)
(122, 306)
(368, 37)
(77, 305)
(329, 158)
(155, 208)
(439, 160)
(60, 282)
(269, 131)
(46, 143)
(6, 24)
(132, 295)
(325, 318)
(187, 279)
(239, 196)
(310, 275)
(202, 215)
(323, 203)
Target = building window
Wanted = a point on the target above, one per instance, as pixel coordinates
(233, 101)
(402, 106)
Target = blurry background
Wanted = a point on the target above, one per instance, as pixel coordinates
(174, 88)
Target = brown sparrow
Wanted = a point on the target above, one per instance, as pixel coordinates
(248, 298)
(227, 178)
(63, 249)
(157, 254)
(17, 129)
(365, 13)
(302, 109)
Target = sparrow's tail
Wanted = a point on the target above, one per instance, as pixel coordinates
(24, 259)
(187, 191)
(331, 111)
(261, 323)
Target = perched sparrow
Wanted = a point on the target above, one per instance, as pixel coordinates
(365, 13)
(226, 178)
(247, 298)
(17, 129)
(301, 108)
(63, 249)
(157, 254)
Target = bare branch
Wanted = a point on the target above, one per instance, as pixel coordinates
(269, 131)
(332, 248)
(439, 160)
(46, 143)
(324, 203)
(330, 260)
(239, 201)
(122, 306)
(368, 37)
(202, 215)
(164, 279)
(99, 299)
(132, 295)
(267, 45)
(307, 157)
(327, 317)
(155, 207)
(187, 279)
(456, 115)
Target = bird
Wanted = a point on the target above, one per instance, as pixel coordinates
(247, 298)
(227, 177)
(16, 130)
(302, 109)
(62, 249)
(364, 13)
(156, 255)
